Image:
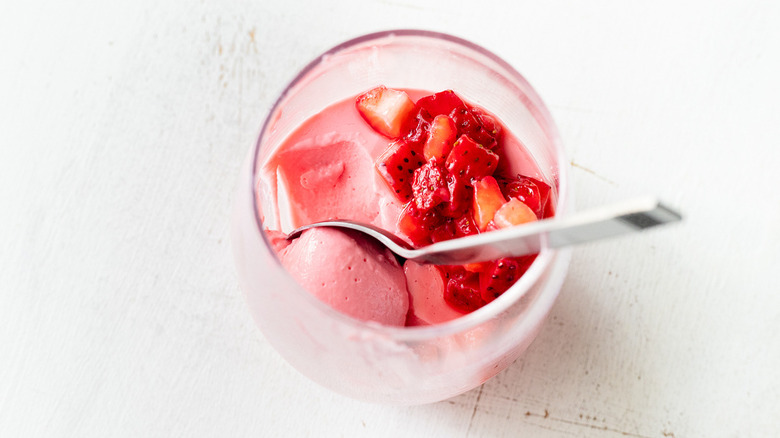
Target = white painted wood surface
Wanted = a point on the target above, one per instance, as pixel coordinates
(122, 128)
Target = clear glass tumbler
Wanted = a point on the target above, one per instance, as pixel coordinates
(368, 361)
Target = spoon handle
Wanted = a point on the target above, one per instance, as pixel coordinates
(600, 223)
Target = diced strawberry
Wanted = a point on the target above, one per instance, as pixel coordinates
(461, 290)
(468, 123)
(390, 112)
(534, 193)
(487, 200)
(488, 122)
(443, 102)
(514, 212)
(453, 228)
(397, 164)
(445, 231)
(440, 138)
(460, 196)
(418, 225)
(421, 127)
(498, 277)
(465, 226)
(469, 160)
(429, 186)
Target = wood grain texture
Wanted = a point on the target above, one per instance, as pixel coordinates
(122, 131)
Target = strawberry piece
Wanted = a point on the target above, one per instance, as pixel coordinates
(487, 200)
(453, 228)
(446, 231)
(469, 160)
(422, 125)
(462, 291)
(498, 277)
(512, 213)
(465, 226)
(440, 103)
(418, 225)
(429, 186)
(488, 122)
(390, 112)
(460, 197)
(440, 138)
(468, 123)
(397, 164)
(532, 192)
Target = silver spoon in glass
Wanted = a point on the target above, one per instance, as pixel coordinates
(530, 238)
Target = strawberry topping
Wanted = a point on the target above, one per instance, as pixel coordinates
(397, 165)
(429, 186)
(532, 192)
(390, 112)
(443, 166)
(469, 160)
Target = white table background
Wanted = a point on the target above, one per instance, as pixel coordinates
(122, 129)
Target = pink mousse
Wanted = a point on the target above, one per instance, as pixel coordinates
(325, 170)
(426, 294)
(355, 276)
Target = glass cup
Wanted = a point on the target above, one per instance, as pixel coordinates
(364, 360)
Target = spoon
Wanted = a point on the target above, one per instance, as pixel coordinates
(600, 223)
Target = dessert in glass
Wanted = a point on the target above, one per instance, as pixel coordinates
(364, 133)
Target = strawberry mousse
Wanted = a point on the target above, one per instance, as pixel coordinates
(428, 167)
(355, 276)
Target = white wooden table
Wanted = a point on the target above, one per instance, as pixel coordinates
(122, 129)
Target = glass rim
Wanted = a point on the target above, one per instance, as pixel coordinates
(546, 256)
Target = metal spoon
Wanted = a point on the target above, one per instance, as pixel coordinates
(609, 221)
